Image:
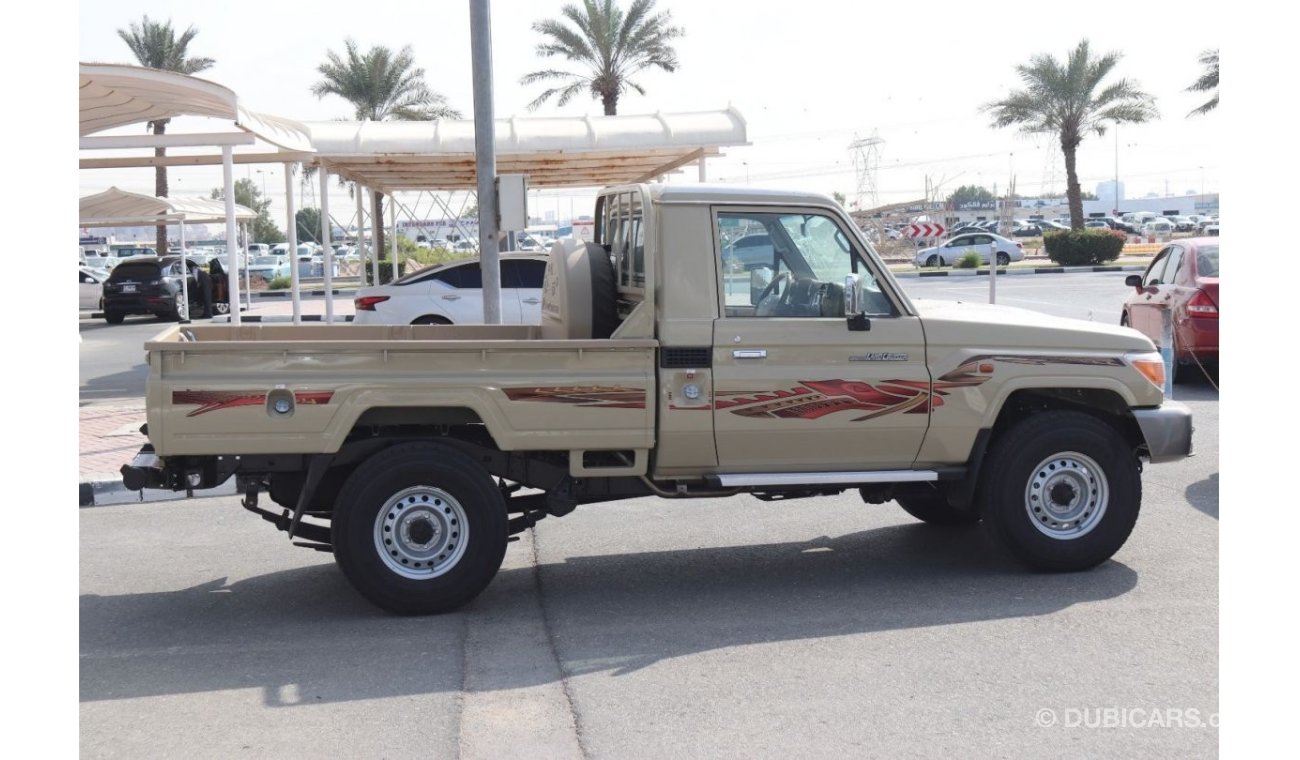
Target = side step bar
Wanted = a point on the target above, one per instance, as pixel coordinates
(768, 479)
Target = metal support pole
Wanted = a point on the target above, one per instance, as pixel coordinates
(185, 269)
(228, 185)
(374, 251)
(703, 177)
(361, 236)
(296, 283)
(485, 158)
(328, 258)
(392, 237)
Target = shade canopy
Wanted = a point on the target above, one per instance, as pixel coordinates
(394, 156)
(119, 208)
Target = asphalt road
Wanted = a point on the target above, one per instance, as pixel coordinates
(651, 628)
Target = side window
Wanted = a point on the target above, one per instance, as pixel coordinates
(524, 273)
(1155, 273)
(471, 276)
(450, 276)
(622, 234)
(789, 265)
(1175, 263)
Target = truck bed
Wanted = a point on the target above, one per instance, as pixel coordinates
(214, 389)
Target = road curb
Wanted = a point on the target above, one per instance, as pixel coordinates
(1020, 272)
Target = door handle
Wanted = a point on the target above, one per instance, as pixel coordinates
(532, 300)
(451, 298)
(757, 353)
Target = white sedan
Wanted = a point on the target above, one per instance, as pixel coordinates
(983, 243)
(92, 287)
(452, 294)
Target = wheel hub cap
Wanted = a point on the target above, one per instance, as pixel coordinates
(421, 532)
(1067, 495)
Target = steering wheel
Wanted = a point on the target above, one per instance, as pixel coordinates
(764, 309)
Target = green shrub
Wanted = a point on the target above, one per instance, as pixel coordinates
(971, 260)
(1083, 247)
(280, 283)
(385, 271)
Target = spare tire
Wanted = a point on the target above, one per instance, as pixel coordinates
(604, 292)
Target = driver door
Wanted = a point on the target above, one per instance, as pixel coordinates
(794, 388)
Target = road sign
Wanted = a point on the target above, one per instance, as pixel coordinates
(924, 230)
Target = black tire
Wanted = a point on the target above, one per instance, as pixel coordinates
(444, 494)
(604, 293)
(1003, 259)
(220, 307)
(934, 261)
(114, 317)
(431, 319)
(930, 505)
(1076, 462)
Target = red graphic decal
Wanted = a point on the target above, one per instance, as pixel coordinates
(211, 401)
(600, 396)
(814, 399)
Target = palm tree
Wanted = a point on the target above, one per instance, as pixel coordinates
(1208, 81)
(381, 86)
(156, 45)
(609, 45)
(1063, 99)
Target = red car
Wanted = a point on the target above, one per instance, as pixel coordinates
(1183, 279)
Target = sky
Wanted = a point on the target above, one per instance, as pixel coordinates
(808, 81)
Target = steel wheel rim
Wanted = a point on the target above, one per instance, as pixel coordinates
(421, 532)
(1067, 495)
(182, 308)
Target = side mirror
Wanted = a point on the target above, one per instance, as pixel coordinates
(854, 316)
(1133, 281)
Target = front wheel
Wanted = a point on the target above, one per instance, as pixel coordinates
(1061, 490)
(419, 528)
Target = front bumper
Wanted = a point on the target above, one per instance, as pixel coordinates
(1167, 430)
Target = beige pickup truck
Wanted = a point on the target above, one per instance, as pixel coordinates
(709, 342)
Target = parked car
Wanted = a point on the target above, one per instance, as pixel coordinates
(143, 285)
(464, 246)
(92, 287)
(269, 267)
(1158, 227)
(1097, 224)
(983, 243)
(1183, 279)
(452, 294)
(749, 251)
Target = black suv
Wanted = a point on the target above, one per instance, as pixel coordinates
(147, 285)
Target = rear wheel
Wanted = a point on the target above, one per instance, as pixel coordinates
(1003, 259)
(1061, 490)
(180, 309)
(431, 319)
(934, 261)
(114, 317)
(419, 528)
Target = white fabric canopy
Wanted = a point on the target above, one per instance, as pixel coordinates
(119, 208)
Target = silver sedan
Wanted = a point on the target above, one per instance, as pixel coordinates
(983, 243)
